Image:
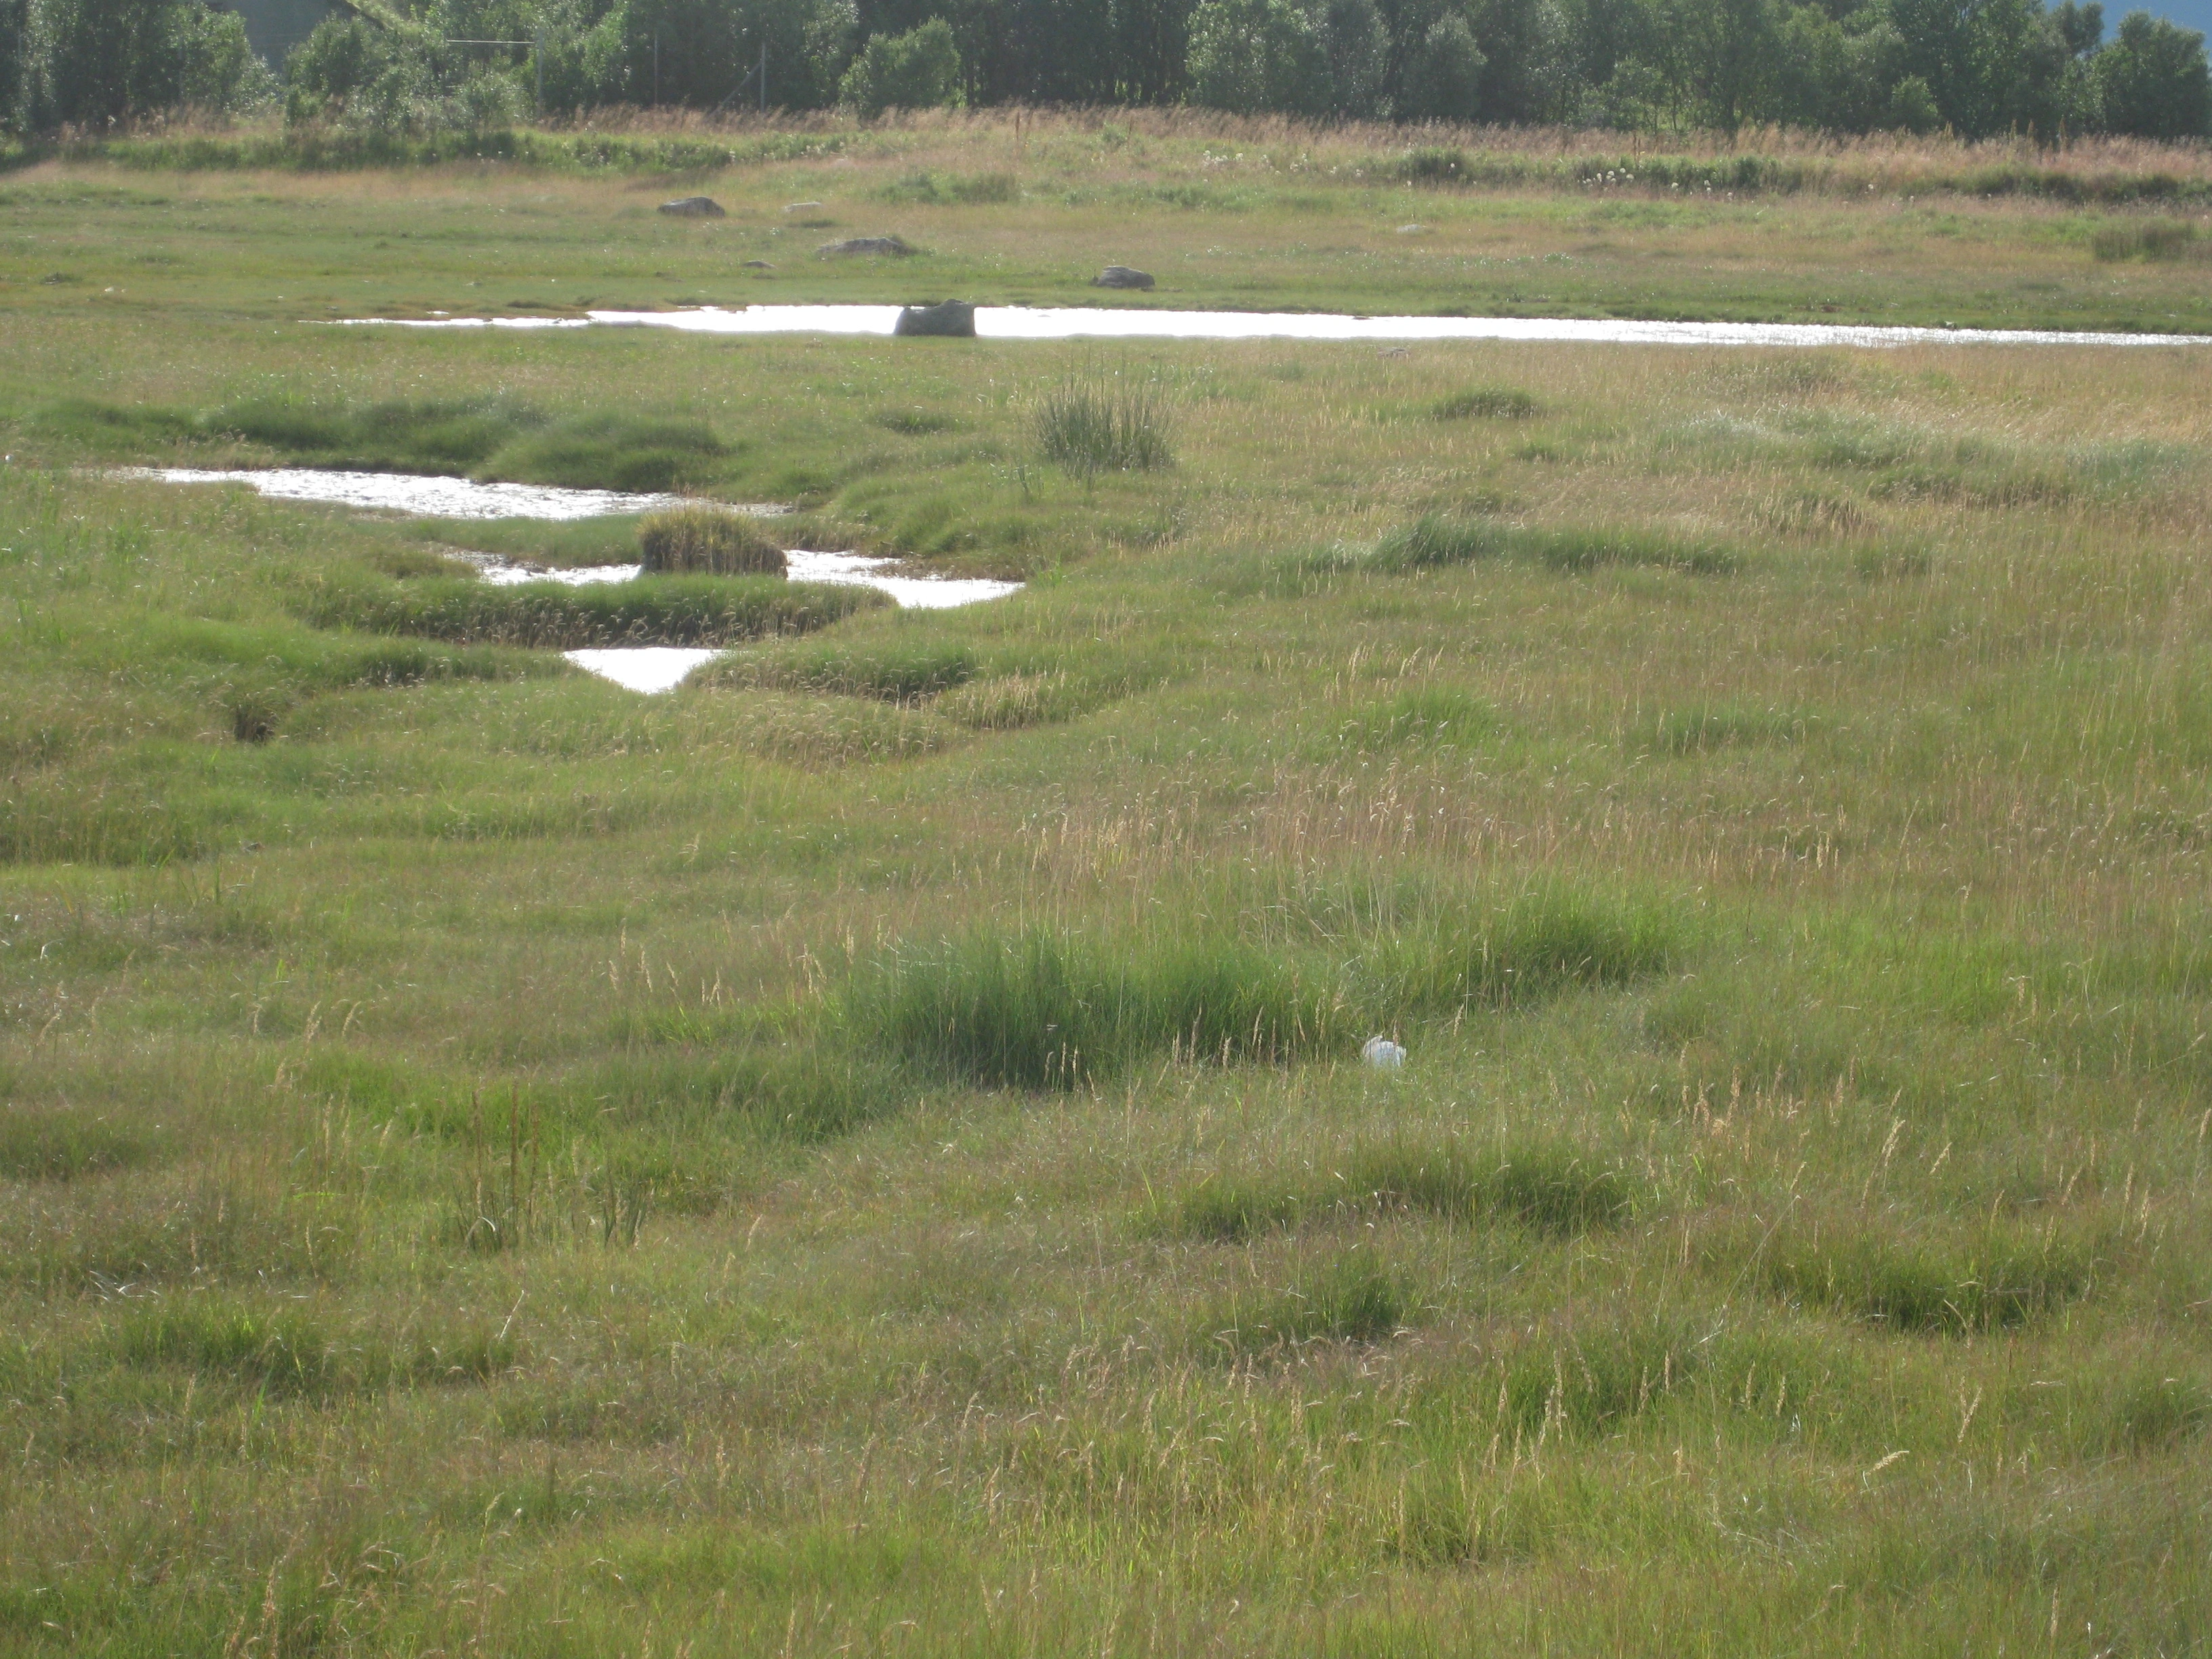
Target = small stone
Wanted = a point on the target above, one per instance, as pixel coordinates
(801, 207)
(854, 246)
(1122, 276)
(951, 319)
(1412, 230)
(693, 207)
(1382, 1054)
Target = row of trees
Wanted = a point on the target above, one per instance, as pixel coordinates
(1977, 68)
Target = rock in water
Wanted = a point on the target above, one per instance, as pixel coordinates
(1382, 1055)
(954, 319)
(693, 207)
(1122, 276)
(853, 246)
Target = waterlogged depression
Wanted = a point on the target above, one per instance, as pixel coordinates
(1082, 322)
(647, 668)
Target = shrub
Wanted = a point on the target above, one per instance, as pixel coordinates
(1094, 423)
(919, 70)
(706, 541)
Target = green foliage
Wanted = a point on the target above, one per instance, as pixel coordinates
(1706, 727)
(918, 69)
(2154, 81)
(705, 541)
(279, 1352)
(1424, 717)
(1098, 422)
(1251, 56)
(89, 62)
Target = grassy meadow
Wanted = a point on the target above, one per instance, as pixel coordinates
(869, 1152)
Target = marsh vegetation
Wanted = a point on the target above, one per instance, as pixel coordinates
(869, 1152)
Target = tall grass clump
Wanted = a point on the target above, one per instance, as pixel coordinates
(1438, 956)
(2151, 238)
(697, 610)
(894, 670)
(1348, 1297)
(1486, 403)
(1094, 422)
(1436, 540)
(1045, 1008)
(1999, 1277)
(1547, 1185)
(702, 541)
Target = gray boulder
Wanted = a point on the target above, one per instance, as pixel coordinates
(1122, 276)
(693, 207)
(853, 246)
(953, 319)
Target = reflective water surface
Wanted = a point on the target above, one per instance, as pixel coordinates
(1086, 322)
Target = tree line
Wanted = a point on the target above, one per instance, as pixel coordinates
(1973, 68)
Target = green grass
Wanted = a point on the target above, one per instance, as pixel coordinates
(870, 1151)
(556, 615)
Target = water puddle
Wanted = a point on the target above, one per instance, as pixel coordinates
(913, 593)
(1083, 322)
(426, 497)
(647, 668)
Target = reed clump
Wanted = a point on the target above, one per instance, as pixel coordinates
(704, 541)
(1098, 422)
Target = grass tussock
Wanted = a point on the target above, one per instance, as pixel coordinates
(1955, 1284)
(702, 541)
(1546, 1185)
(1438, 541)
(1045, 1007)
(1424, 717)
(1098, 422)
(2153, 240)
(278, 1351)
(1346, 1298)
(1705, 728)
(1486, 403)
(692, 610)
(899, 671)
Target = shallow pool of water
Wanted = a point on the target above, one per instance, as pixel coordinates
(427, 497)
(1083, 322)
(648, 668)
